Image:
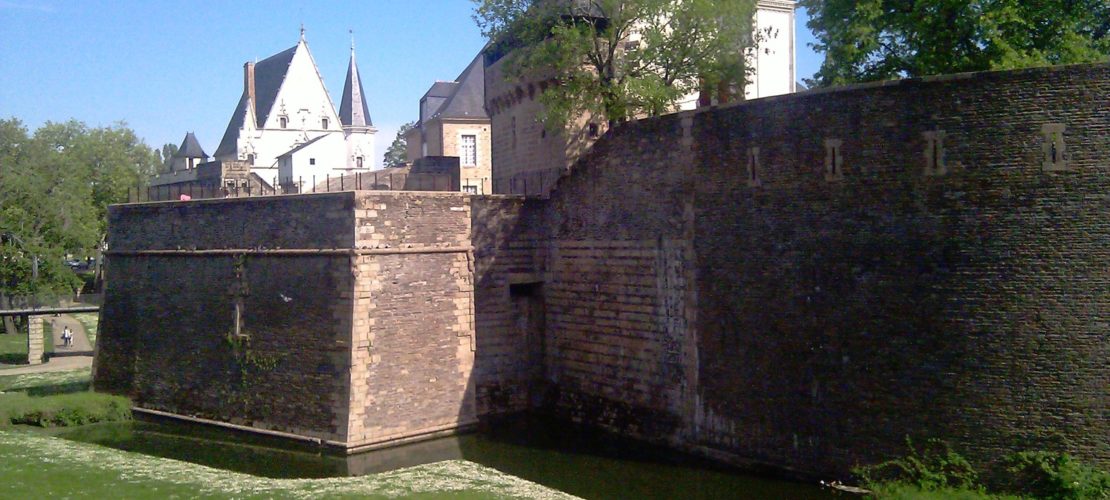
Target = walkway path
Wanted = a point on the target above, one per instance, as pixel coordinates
(55, 364)
(79, 355)
(80, 338)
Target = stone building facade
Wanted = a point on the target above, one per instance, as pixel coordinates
(454, 122)
(798, 282)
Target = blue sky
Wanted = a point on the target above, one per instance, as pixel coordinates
(166, 68)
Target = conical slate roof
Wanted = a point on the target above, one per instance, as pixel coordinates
(190, 148)
(353, 111)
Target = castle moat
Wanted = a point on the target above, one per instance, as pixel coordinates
(570, 460)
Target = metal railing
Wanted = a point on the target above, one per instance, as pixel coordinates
(381, 180)
(51, 301)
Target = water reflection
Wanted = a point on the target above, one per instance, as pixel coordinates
(583, 463)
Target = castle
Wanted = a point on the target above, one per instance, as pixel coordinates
(285, 131)
(800, 282)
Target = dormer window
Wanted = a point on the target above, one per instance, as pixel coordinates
(324, 123)
(283, 122)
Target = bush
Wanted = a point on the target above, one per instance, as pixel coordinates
(63, 410)
(1055, 475)
(934, 468)
(939, 472)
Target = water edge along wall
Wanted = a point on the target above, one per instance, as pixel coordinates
(801, 281)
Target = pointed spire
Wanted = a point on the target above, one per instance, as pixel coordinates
(302, 32)
(353, 111)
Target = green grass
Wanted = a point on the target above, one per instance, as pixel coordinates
(62, 410)
(46, 383)
(47, 336)
(13, 349)
(57, 399)
(39, 466)
(902, 491)
(91, 322)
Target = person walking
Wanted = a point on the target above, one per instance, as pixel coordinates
(67, 337)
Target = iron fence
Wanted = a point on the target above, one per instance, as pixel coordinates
(370, 181)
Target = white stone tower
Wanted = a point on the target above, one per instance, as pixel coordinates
(354, 115)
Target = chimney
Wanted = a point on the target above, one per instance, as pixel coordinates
(248, 84)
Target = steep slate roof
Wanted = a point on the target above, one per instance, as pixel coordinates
(302, 146)
(269, 74)
(468, 99)
(352, 108)
(190, 148)
(462, 98)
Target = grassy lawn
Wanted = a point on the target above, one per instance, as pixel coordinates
(13, 349)
(90, 321)
(37, 384)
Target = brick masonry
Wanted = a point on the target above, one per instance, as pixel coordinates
(800, 281)
(855, 290)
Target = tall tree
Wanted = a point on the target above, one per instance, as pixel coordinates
(618, 59)
(55, 187)
(166, 153)
(397, 153)
(867, 40)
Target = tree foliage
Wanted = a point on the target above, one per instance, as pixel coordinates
(55, 188)
(866, 40)
(619, 59)
(166, 153)
(397, 153)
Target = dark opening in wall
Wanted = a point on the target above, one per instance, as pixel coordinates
(525, 289)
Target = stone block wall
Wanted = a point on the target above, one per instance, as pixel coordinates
(344, 317)
(232, 310)
(414, 337)
(617, 294)
(924, 258)
(901, 296)
(800, 281)
(35, 341)
(508, 259)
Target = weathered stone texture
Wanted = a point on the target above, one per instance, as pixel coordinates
(507, 253)
(35, 349)
(616, 295)
(830, 314)
(414, 318)
(319, 221)
(969, 306)
(799, 281)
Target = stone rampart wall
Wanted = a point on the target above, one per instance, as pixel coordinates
(617, 290)
(508, 256)
(925, 258)
(208, 314)
(413, 318)
(901, 296)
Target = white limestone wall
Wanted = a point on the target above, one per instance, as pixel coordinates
(774, 59)
(360, 143)
(323, 158)
(304, 102)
